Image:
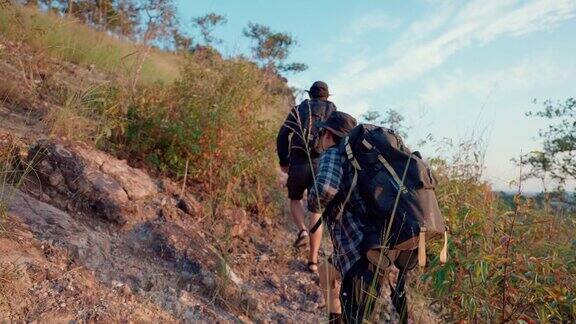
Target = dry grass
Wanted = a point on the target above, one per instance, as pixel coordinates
(75, 119)
(12, 173)
(71, 41)
(11, 287)
(11, 92)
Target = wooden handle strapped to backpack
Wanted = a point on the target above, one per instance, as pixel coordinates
(422, 248)
(444, 252)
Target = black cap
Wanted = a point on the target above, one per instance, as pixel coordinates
(339, 123)
(319, 89)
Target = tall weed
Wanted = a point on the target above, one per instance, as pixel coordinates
(88, 114)
(13, 172)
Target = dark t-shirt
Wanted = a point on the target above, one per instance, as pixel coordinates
(292, 137)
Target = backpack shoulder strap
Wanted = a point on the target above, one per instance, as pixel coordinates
(350, 154)
(309, 127)
(329, 108)
(387, 165)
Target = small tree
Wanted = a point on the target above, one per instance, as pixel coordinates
(159, 20)
(391, 119)
(272, 48)
(126, 19)
(119, 16)
(159, 23)
(557, 160)
(181, 41)
(206, 24)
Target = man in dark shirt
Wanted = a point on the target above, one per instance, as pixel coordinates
(298, 159)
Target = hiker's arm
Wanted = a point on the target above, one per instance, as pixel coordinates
(283, 139)
(327, 181)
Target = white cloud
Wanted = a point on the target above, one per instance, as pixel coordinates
(534, 16)
(371, 22)
(477, 23)
(528, 73)
(418, 30)
(356, 34)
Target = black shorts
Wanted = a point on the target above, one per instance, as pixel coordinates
(299, 180)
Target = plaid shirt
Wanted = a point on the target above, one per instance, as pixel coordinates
(346, 231)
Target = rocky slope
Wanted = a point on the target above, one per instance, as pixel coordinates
(90, 238)
(85, 237)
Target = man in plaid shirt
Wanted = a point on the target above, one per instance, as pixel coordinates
(358, 261)
(344, 212)
(345, 227)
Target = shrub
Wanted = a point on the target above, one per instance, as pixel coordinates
(506, 263)
(212, 117)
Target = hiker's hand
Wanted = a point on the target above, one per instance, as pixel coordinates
(284, 169)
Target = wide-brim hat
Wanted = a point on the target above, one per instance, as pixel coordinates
(339, 123)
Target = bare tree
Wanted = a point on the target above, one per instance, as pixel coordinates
(160, 21)
(206, 24)
(272, 48)
(391, 119)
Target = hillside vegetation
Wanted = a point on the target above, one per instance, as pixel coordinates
(219, 115)
(72, 41)
(199, 129)
(208, 124)
(507, 263)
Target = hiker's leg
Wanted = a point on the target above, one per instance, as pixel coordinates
(297, 211)
(330, 286)
(359, 292)
(315, 238)
(297, 176)
(405, 262)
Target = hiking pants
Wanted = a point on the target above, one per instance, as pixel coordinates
(361, 287)
(359, 291)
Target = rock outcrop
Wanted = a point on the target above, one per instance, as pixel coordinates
(76, 178)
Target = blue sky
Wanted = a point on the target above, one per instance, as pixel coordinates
(456, 69)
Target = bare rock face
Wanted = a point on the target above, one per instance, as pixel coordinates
(135, 182)
(175, 244)
(91, 180)
(53, 225)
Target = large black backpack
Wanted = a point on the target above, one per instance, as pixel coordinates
(309, 114)
(397, 187)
